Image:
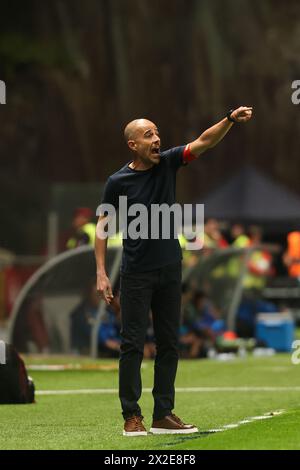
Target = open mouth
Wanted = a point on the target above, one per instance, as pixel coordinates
(155, 150)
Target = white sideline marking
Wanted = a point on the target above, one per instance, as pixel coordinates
(100, 391)
(93, 391)
(72, 367)
(226, 427)
(238, 389)
(230, 426)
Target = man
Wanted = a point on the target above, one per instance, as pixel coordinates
(83, 229)
(213, 237)
(151, 270)
(239, 237)
(291, 257)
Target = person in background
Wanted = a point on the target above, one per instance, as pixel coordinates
(109, 339)
(239, 237)
(247, 312)
(255, 235)
(82, 321)
(291, 257)
(190, 343)
(260, 263)
(83, 229)
(201, 324)
(30, 327)
(239, 241)
(213, 237)
(207, 319)
(190, 257)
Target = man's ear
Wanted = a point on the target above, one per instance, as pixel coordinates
(131, 144)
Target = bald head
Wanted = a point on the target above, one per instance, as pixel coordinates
(142, 137)
(135, 127)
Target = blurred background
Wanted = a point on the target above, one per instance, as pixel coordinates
(76, 72)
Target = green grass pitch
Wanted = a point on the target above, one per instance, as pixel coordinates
(239, 389)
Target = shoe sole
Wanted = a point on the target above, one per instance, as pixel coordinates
(173, 431)
(135, 433)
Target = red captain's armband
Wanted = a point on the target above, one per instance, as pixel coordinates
(187, 155)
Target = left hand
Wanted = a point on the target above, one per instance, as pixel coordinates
(242, 114)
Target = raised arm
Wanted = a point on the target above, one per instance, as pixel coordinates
(212, 136)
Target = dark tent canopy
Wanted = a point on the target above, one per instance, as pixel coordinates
(250, 196)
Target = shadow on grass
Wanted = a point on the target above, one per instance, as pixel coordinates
(181, 439)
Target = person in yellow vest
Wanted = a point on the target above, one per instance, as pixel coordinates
(84, 231)
(213, 238)
(259, 265)
(260, 262)
(291, 257)
(240, 239)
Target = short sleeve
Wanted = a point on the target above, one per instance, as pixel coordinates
(111, 193)
(174, 157)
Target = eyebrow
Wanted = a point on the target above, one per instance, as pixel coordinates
(150, 130)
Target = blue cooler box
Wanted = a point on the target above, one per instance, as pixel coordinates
(276, 330)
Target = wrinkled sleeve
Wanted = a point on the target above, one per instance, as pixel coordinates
(175, 157)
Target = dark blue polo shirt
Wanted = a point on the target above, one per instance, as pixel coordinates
(154, 186)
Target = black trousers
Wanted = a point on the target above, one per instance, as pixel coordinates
(160, 291)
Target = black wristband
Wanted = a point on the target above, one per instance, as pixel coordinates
(228, 115)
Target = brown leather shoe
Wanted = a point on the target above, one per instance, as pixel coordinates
(171, 424)
(134, 427)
